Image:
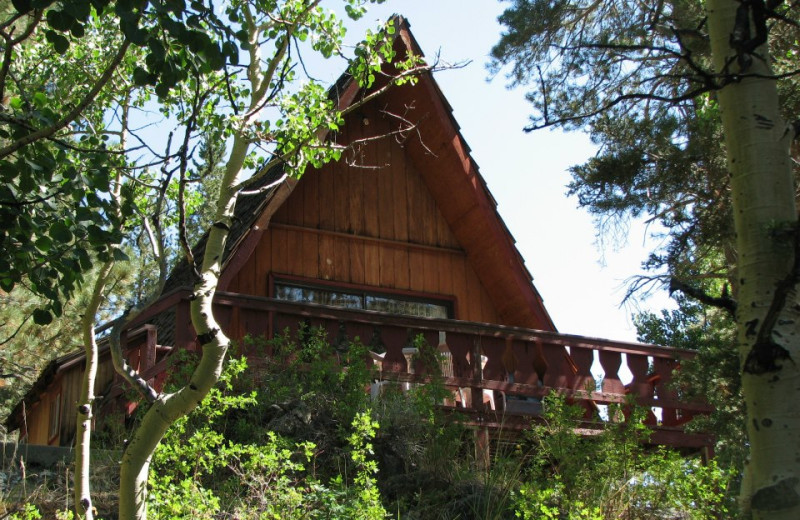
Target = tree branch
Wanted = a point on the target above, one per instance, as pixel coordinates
(76, 111)
(724, 302)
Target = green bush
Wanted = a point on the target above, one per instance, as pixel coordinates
(613, 473)
(300, 437)
(207, 467)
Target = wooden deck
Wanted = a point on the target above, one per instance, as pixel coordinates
(497, 374)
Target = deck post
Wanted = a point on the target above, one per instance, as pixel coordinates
(482, 454)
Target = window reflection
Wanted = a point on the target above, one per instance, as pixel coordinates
(362, 300)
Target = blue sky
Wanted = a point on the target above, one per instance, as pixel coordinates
(581, 281)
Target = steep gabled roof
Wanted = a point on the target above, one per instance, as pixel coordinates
(442, 155)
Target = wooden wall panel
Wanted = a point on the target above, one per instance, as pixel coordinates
(416, 269)
(356, 201)
(472, 295)
(70, 392)
(430, 273)
(369, 180)
(459, 281)
(295, 207)
(445, 274)
(325, 258)
(387, 200)
(397, 176)
(36, 418)
(279, 251)
(342, 195)
(387, 267)
(341, 260)
(309, 188)
(327, 199)
(401, 269)
(372, 267)
(310, 257)
(263, 263)
(357, 252)
(294, 247)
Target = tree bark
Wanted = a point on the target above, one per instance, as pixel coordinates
(168, 408)
(768, 317)
(83, 433)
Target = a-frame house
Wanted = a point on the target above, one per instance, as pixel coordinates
(400, 237)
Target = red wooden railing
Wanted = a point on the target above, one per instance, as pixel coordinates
(497, 374)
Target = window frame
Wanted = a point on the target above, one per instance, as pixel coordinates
(363, 292)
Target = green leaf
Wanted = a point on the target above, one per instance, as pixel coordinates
(119, 255)
(60, 43)
(59, 20)
(141, 77)
(60, 232)
(77, 30)
(22, 6)
(6, 284)
(42, 317)
(79, 9)
(162, 90)
(43, 244)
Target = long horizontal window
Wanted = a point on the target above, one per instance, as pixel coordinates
(357, 299)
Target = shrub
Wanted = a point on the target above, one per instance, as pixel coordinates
(614, 473)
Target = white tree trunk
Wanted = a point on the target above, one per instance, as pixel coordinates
(765, 215)
(170, 407)
(83, 434)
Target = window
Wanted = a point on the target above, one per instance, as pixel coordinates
(362, 299)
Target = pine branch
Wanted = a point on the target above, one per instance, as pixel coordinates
(724, 302)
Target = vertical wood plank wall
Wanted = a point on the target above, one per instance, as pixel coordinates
(66, 388)
(374, 191)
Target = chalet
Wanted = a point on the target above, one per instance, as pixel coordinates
(412, 244)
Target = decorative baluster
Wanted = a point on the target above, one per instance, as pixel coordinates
(342, 343)
(557, 374)
(525, 355)
(445, 357)
(663, 368)
(460, 347)
(377, 352)
(488, 395)
(582, 359)
(410, 353)
(611, 361)
(460, 350)
(376, 344)
(641, 386)
(476, 363)
(394, 340)
(509, 360)
(493, 368)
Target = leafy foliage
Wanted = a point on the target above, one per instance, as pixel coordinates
(57, 212)
(202, 471)
(638, 78)
(713, 374)
(613, 474)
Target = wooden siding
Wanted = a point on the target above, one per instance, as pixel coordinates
(367, 220)
(66, 387)
(37, 417)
